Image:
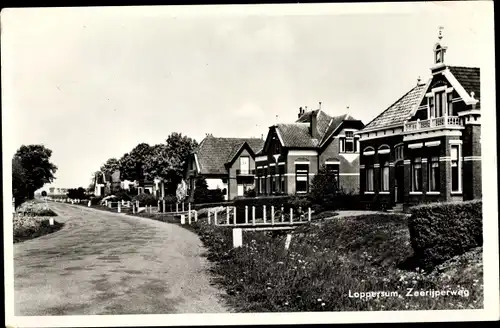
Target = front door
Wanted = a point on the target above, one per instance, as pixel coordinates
(399, 183)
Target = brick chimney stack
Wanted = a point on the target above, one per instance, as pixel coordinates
(301, 112)
(314, 124)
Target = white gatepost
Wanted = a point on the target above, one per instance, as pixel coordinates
(189, 207)
(282, 214)
(176, 207)
(183, 219)
(264, 213)
(119, 207)
(183, 206)
(234, 215)
(237, 237)
(195, 216)
(246, 214)
(300, 213)
(51, 221)
(272, 215)
(90, 203)
(106, 203)
(291, 215)
(227, 215)
(189, 217)
(159, 206)
(163, 208)
(133, 209)
(253, 215)
(215, 217)
(309, 214)
(288, 241)
(208, 216)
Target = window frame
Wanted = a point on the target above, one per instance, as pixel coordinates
(457, 167)
(299, 175)
(385, 167)
(416, 162)
(431, 161)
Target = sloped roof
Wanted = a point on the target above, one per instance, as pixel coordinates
(323, 119)
(335, 123)
(296, 135)
(213, 153)
(399, 111)
(469, 78)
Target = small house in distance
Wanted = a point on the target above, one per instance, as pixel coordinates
(225, 163)
(426, 146)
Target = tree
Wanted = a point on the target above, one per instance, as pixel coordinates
(18, 181)
(131, 164)
(324, 188)
(38, 170)
(178, 149)
(110, 166)
(44, 193)
(76, 193)
(203, 195)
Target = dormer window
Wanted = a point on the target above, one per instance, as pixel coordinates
(348, 144)
(440, 103)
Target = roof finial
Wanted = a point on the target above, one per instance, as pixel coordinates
(320, 105)
(440, 36)
(418, 80)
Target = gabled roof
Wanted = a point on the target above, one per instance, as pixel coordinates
(213, 153)
(335, 123)
(400, 111)
(469, 78)
(296, 135)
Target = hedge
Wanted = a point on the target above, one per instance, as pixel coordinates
(439, 231)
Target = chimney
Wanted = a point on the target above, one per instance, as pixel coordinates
(300, 112)
(314, 123)
(320, 105)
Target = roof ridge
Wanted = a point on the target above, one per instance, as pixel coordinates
(392, 104)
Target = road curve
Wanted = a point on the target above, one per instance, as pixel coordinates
(107, 263)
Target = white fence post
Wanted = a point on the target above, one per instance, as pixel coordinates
(208, 216)
(13, 205)
(227, 214)
(90, 203)
(189, 217)
(291, 215)
(133, 209)
(282, 214)
(159, 206)
(183, 219)
(106, 203)
(288, 240)
(51, 221)
(237, 237)
(119, 207)
(176, 207)
(195, 216)
(272, 214)
(215, 217)
(183, 206)
(309, 214)
(300, 213)
(189, 208)
(246, 213)
(234, 215)
(264, 213)
(253, 215)
(137, 205)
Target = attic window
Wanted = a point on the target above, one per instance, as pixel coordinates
(347, 143)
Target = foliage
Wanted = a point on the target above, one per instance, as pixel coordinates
(110, 166)
(328, 262)
(440, 231)
(77, 193)
(31, 170)
(123, 194)
(298, 201)
(29, 227)
(250, 193)
(145, 199)
(18, 181)
(94, 200)
(132, 164)
(181, 192)
(35, 208)
(203, 195)
(324, 189)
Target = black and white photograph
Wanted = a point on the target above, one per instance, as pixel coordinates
(249, 164)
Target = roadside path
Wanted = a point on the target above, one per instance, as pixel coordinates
(107, 263)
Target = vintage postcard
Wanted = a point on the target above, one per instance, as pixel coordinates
(249, 164)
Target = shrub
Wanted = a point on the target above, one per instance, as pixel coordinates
(146, 199)
(204, 195)
(297, 201)
(250, 193)
(440, 231)
(29, 227)
(324, 189)
(34, 208)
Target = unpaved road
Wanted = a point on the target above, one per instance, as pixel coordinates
(106, 263)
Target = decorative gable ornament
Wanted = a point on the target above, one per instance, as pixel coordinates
(349, 157)
(276, 156)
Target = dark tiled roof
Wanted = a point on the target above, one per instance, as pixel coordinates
(399, 111)
(323, 119)
(335, 123)
(468, 77)
(213, 153)
(296, 135)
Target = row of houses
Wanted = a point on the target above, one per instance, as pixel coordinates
(426, 146)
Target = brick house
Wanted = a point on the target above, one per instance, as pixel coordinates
(294, 152)
(225, 163)
(426, 146)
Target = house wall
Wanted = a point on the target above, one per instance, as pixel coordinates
(349, 164)
(290, 167)
(247, 182)
(471, 148)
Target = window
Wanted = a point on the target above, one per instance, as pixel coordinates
(302, 178)
(440, 103)
(432, 112)
(244, 165)
(369, 178)
(455, 168)
(398, 153)
(272, 172)
(281, 170)
(335, 168)
(347, 143)
(450, 104)
(385, 175)
(416, 174)
(433, 163)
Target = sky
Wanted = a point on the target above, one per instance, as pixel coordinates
(92, 83)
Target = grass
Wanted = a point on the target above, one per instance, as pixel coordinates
(31, 220)
(331, 264)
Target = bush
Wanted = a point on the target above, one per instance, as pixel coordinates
(440, 231)
(95, 200)
(145, 199)
(324, 188)
(250, 193)
(29, 227)
(204, 195)
(123, 195)
(34, 208)
(297, 201)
